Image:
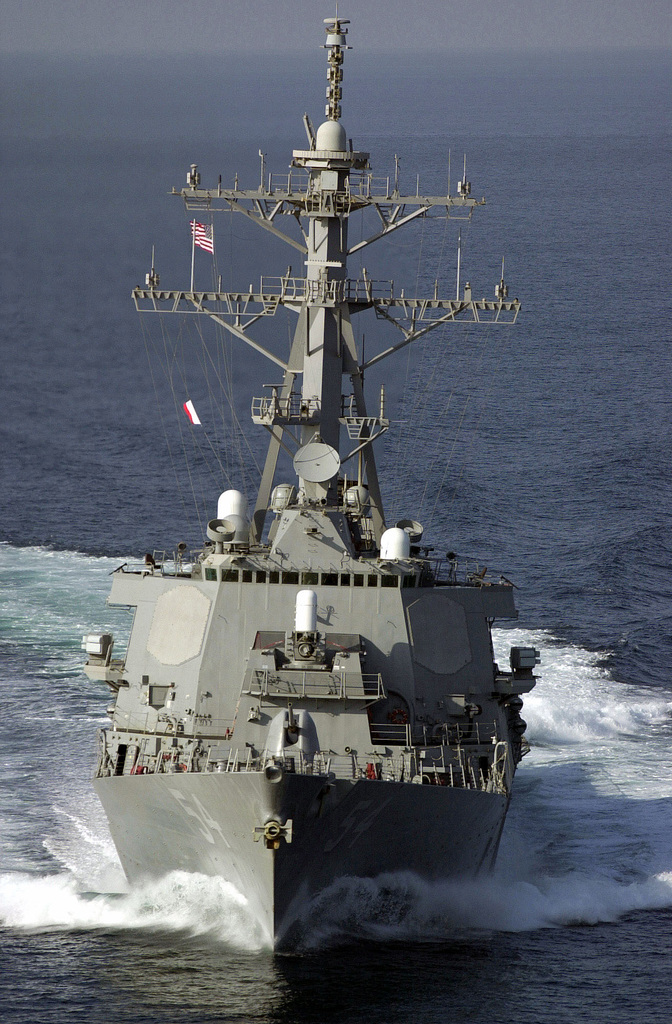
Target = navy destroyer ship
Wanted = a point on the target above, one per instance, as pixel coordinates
(313, 695)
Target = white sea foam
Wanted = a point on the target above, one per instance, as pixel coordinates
(388, 908)
(576, 700)
(194, 904)
(403, 906)
(578, 714)
(83, 846)
(48, 599)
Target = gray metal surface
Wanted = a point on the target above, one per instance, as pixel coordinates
(313, 695)
(366, 828)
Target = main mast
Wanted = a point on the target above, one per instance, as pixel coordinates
(324, 346)
(326, 184)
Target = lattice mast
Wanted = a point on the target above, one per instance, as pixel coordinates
(324, 339)
(335, 182)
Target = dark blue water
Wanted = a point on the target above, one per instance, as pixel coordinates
(543, 451)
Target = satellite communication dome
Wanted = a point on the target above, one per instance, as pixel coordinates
(331, 136)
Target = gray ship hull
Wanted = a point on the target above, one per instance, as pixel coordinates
(213, 824)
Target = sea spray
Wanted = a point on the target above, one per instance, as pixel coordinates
(403, 907)
(196, 905)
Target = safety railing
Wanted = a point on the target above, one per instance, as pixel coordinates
(367, 185)
(270, 408)
(359, 184)
(463, 571)
(469, 732)
(391, 733)
(163, 723)
(455, 770)
(163, 563)
(335, 685)
(294, 181)
(303, 289)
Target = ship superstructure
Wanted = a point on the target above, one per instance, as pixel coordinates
(314, 695)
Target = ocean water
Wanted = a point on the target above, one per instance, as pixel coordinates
(541, 451)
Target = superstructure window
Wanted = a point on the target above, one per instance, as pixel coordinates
(274, 576)
(358, 580)
(345, 579)
(309, 579)
(290, 577)
(230, 575)
(372, 581)
(389, 581)
(158, 696)
(330, 579)
(211, 574)
(247, 575)
(261, 576)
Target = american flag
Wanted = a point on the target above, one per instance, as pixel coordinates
(203, 236)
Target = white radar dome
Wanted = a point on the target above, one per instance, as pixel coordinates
(331, 136)
(232, 510)
(231, 503)
(395, 543)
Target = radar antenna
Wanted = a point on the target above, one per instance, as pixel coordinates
(335, 44)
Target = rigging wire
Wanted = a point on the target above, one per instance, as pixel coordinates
(180, 371)
(423, 394)
(467, 401)
(219, 367)
(402, 437)
(484, 401)
(172, 366)
(421, 391)
(226, 389)
(178, 483)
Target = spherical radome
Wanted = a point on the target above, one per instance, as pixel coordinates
(331, 136)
